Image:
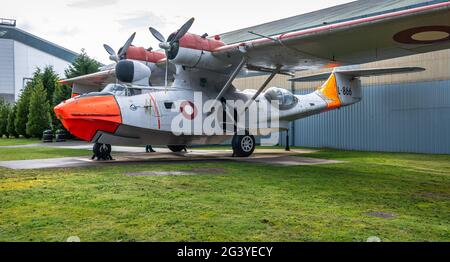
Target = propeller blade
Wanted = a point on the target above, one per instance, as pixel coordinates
(109, 49)
(157, 35)
(127, 45)
(183, 30)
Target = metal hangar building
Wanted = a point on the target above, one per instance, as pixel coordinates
(399, 113)
(21, 53)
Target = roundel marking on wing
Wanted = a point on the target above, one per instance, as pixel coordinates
(423, 35)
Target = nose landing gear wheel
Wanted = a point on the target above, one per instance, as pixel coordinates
(243, 146)
(102, 152)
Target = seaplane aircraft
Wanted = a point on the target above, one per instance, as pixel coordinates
(169, 97)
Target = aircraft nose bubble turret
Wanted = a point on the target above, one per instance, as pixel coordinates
(83, 117)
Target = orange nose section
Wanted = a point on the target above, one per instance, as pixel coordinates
(83, 117)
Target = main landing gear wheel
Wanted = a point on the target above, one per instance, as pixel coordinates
(243, 146)
(102, 152)
(177, 149)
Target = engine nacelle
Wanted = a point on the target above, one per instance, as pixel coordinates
(196, 52)
(141, 54)
(133, 72)
(199, 59)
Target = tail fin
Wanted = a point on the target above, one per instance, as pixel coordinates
(343, 87)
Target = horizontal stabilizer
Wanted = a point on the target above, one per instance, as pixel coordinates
(360, 73)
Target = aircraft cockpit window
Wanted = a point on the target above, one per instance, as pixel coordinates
(285, 98)
(121, 90)
(118, 90)
(133, 91)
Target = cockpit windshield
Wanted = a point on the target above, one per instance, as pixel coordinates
(285, 98)
(121, 90)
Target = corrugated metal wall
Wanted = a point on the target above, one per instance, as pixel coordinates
(7, 69)
(401, 113)
(412, 117)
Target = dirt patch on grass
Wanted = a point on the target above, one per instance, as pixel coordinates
(433, 195)
(191, 172)
(381, 215)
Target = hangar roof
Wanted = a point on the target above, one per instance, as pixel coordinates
(336, 14)
(8, 30)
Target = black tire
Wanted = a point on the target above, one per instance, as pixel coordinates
(243, 146)
(177, 149)
(102, 151)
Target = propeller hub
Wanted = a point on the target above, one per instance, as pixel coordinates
(166, 46)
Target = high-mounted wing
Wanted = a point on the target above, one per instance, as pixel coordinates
(362, 40)
(91, 83)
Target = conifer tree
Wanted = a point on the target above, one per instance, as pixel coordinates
(10, 128)
(82, 65)
(38, 117)
(21, 119)
(4, 111)
(50, 81)
(62, 93)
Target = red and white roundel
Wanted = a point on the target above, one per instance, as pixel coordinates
(424, 35)
(189, 110)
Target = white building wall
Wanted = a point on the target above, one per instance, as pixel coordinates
(7, 69)
(27, 59)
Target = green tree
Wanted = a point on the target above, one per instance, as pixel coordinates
(38, 117)
(21, 119)
(50, 81)
(82, 65)
(4, 111)
(10, 128)
(62, 93)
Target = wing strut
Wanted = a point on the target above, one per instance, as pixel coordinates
(261, 89)
(230, 81)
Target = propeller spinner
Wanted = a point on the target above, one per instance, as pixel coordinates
(122, 51)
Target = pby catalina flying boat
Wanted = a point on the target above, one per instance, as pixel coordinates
(176, 97)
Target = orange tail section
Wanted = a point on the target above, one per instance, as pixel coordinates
(330, 91)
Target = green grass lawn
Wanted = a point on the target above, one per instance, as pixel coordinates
(18, 141)
(249, 202)
(7, 154)
(28, 153)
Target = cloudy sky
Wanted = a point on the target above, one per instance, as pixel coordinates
(77, 24)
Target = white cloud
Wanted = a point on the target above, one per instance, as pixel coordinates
(65, 23)
(141, 20)
(92, 3)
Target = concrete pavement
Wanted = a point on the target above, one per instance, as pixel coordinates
(128, 155)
